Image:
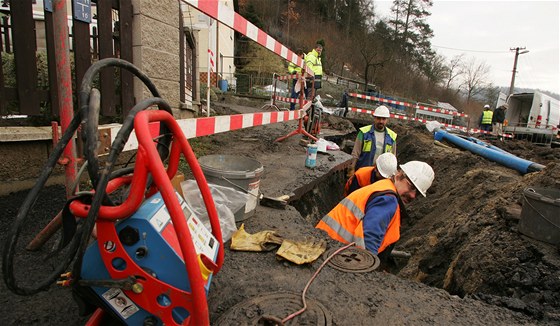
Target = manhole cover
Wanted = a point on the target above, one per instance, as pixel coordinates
(353, 260)
(279, 306)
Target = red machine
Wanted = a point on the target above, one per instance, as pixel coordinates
(121, 258)
(146, 290)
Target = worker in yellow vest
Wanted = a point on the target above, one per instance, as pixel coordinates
(486, 119)
(313, 61)
(373, 140)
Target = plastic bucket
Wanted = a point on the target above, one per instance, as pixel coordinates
(539, 215)
(236, 172)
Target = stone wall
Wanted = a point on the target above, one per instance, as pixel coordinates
(155, 43)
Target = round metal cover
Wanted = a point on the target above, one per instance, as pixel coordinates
(353, 260)
(278, 306)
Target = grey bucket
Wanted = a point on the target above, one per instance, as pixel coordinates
(540, 218)
(236, 172)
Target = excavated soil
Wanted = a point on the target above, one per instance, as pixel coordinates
(469, 265)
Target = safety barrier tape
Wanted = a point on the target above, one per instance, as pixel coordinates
(288, 99)
(288, 77)
(404, 117)
(422, 107)
(225, 15)
(206, 126)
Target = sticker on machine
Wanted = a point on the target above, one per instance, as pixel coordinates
(160, 219)
(120, 302)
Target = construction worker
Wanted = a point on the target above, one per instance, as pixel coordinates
(313, 61)
(372, 142)
(385, 167)
(498, 119)
(371, 216)
(486, 119)
(292, 70)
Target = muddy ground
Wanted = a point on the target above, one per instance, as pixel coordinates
(469, 265)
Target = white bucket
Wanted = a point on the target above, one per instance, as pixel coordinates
(236, 172)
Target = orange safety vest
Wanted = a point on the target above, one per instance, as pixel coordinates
(344, 223)
(363, 175)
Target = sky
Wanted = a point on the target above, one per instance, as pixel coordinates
(487, 30)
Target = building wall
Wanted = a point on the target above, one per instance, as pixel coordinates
(223, 46)
(155, 44)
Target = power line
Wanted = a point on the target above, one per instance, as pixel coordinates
(463, 50)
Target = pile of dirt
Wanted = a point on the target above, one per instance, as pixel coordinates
(464, 237)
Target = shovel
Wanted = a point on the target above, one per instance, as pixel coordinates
(278, 202)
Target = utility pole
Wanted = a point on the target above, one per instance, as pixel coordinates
(517, 53)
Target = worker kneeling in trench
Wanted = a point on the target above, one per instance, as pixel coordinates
(371, 216)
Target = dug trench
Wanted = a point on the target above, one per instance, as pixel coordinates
(468, 265)
(463, 237)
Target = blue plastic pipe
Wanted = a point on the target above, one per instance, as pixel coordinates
(498, 156)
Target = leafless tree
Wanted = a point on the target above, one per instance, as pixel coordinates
(475, 77)
(454, 70)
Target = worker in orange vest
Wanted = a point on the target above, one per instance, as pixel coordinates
(371, 216)
(385, 167)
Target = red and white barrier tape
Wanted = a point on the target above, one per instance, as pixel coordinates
(288, 99)
(288, 77)
(199, 127)
(225, 15)
(404, 117)
(410, 105)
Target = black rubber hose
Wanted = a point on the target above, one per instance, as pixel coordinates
(91, 140)
(29, 202)
(104, 177)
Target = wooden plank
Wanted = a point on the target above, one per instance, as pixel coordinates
(23, 32)
(107, 82)
(82, 51)
(6, 31)
(3, 106)
(51, 64)
(125, 45)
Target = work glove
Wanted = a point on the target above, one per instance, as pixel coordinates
(261, 241)
(301, 252)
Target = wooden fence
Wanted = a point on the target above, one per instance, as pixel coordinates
(107, 35)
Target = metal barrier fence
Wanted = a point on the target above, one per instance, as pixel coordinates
(262, 84)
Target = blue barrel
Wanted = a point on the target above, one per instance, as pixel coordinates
(223, 85)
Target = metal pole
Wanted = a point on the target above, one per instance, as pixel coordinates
(64, 88)
(517, 53)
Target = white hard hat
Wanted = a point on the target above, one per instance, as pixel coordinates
(420, 173)
(487, 106)
(382, 112)
(386, 164)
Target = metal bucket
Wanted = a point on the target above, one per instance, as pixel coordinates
(236, 172)
(540, 217)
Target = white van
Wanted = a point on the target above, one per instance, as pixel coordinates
(535, 116)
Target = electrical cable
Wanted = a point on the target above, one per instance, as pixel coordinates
(104, 177)
(299, 312)
(83, 115)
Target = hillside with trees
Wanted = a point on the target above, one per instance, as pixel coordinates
(393, 56)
